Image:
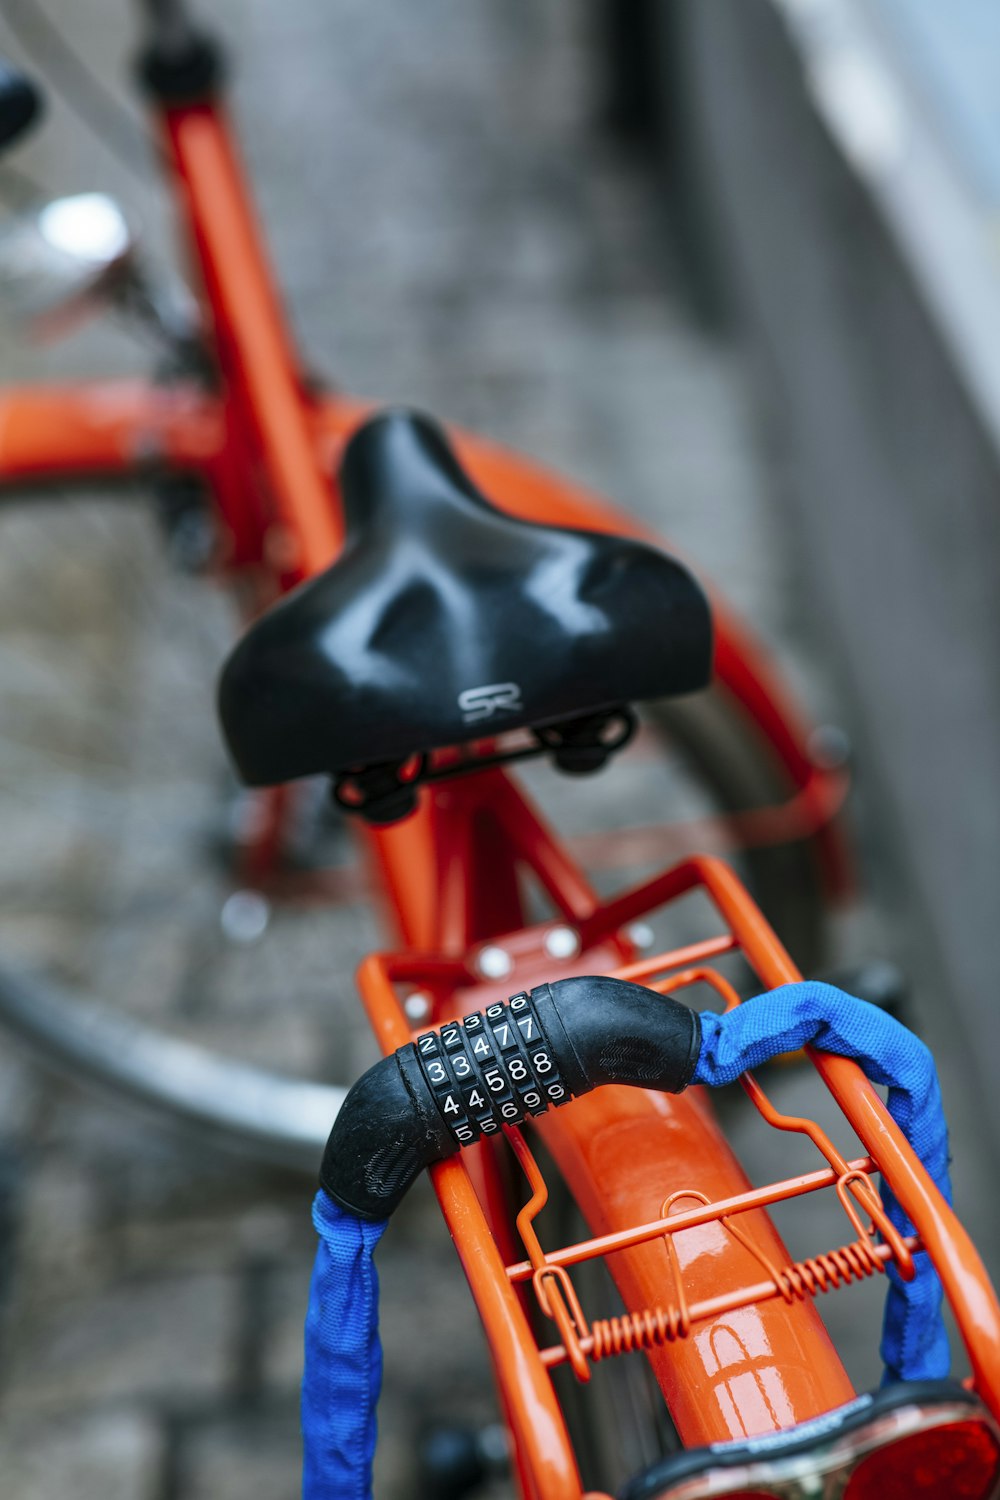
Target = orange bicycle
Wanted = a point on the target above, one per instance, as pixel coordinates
(443, 636)
(142, 523)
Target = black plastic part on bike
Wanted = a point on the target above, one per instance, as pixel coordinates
(20, 103)
(515, 1059)
(446, 620)
(383, 794)
(180, 65)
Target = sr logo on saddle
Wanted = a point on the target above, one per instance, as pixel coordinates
(484, 702)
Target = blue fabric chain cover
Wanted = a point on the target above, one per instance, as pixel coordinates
(343, 1357)
(914, 1340)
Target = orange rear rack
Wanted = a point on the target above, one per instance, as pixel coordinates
(682, 1328)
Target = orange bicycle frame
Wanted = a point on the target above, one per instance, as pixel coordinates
(266, 447)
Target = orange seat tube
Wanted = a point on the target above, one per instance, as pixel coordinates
(253, 348)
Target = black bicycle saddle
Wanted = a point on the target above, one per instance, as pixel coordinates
(445, 619)
(20, 102)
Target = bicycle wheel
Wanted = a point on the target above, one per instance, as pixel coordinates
(133, 953)
(732, 757)
(696, 765)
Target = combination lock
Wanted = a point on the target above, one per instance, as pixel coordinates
(518, 1058)
(491, 1069)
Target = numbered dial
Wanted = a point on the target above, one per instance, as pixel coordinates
(491, 1069)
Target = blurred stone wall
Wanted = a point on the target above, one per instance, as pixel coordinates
(892, 488)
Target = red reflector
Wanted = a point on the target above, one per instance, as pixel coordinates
(956, 1461)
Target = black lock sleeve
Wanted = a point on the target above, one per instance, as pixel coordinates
(517, 1058)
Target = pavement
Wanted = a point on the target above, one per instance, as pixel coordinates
(453, 228)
